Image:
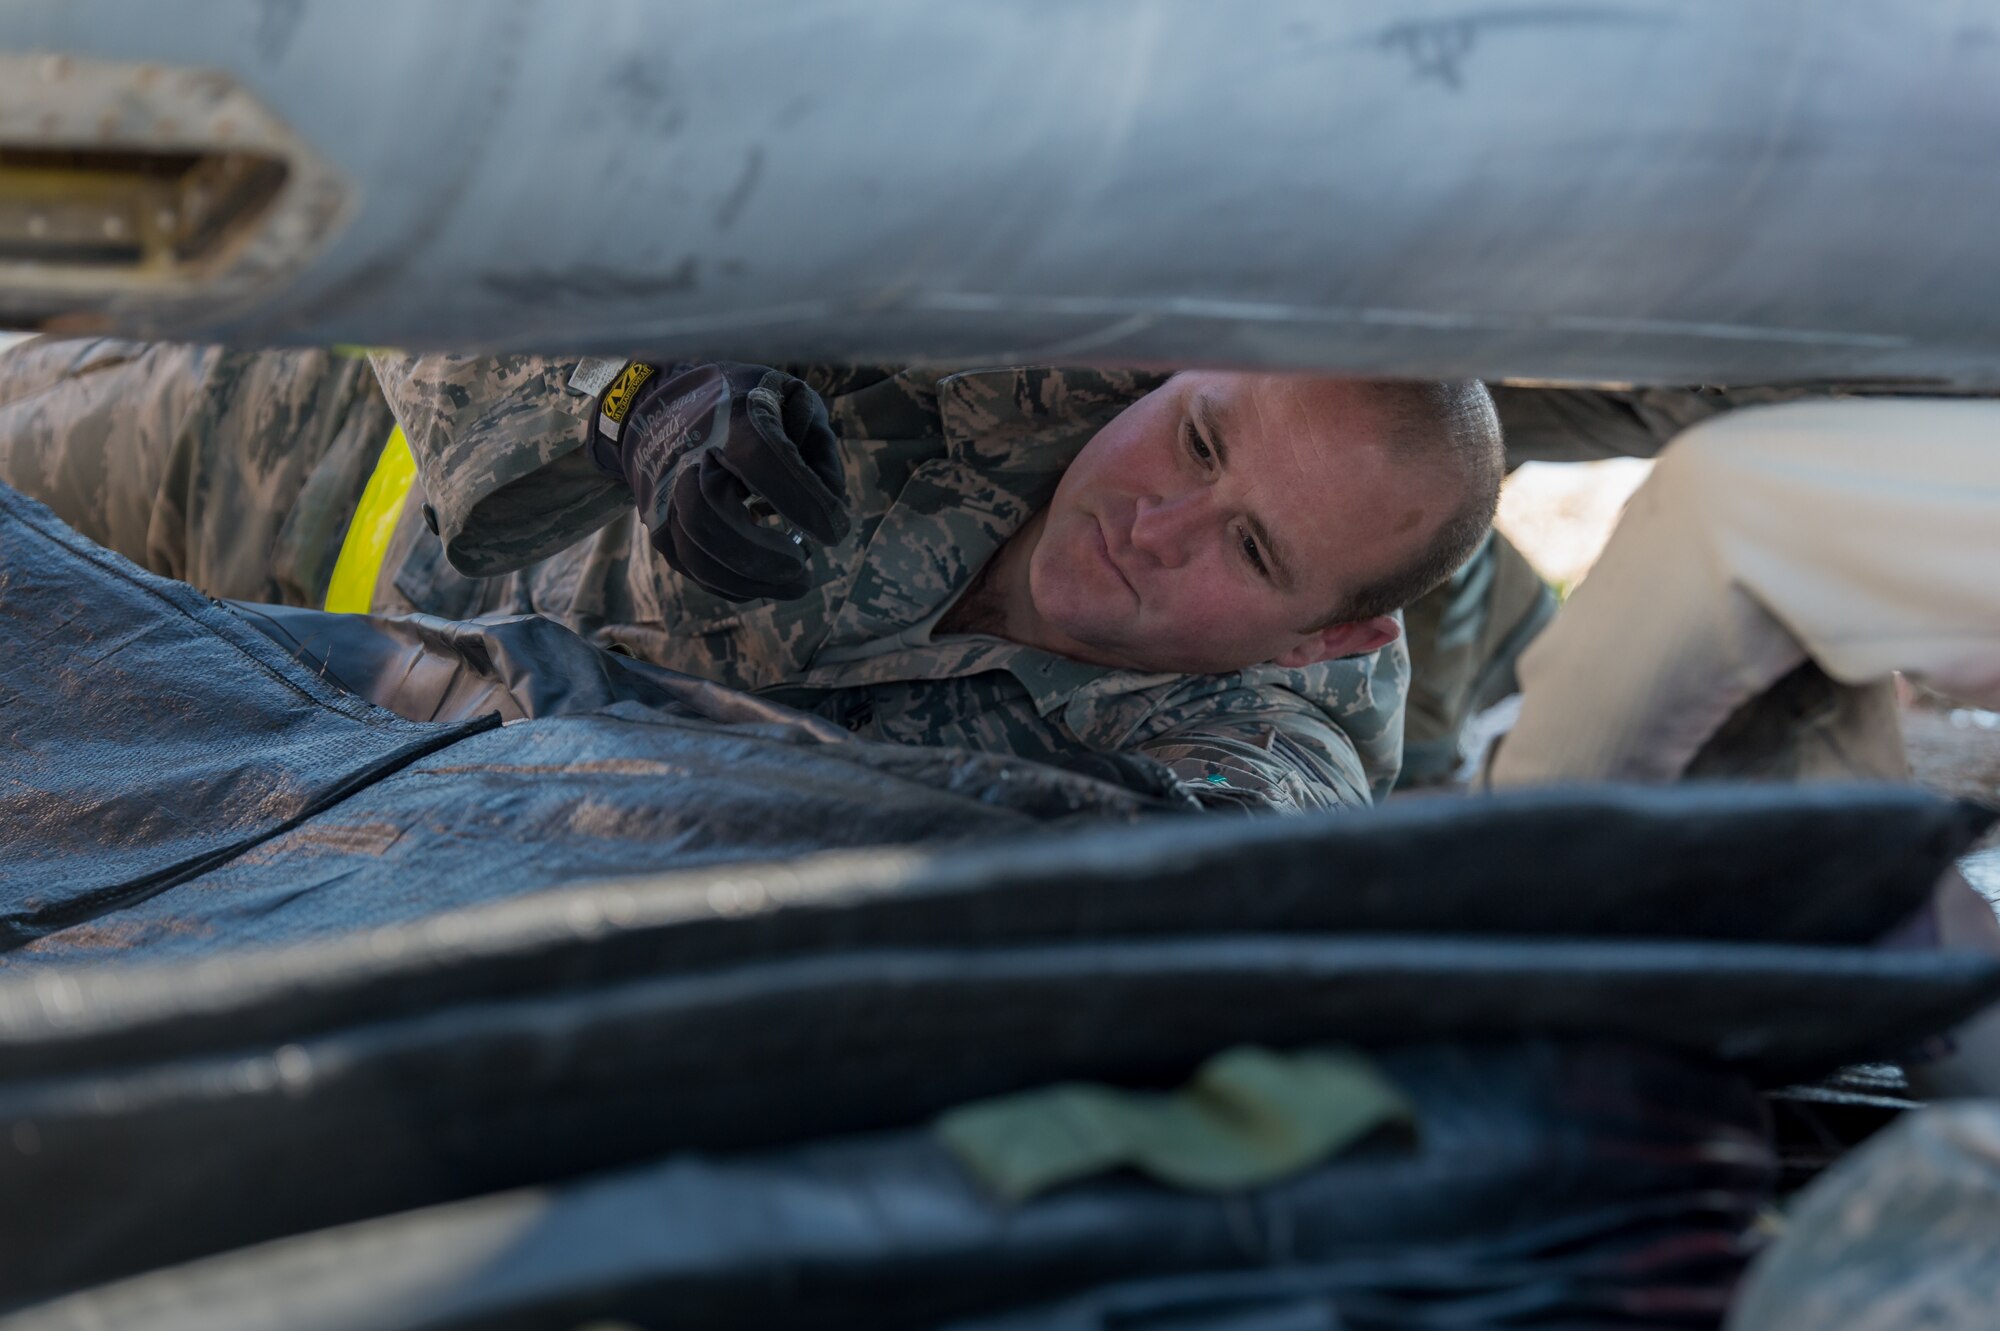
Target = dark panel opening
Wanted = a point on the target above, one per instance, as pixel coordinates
(151, 211)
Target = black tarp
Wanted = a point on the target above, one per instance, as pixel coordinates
(113, 786)
(1592, 1184)
(173, 781)
(149, 1159)
(383, 987)
(177, 786)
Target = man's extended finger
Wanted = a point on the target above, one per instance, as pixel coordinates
(712, 531)
(691, 558)
(774, 465)
(686, 555)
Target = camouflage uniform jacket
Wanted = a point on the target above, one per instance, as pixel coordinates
(941, 469)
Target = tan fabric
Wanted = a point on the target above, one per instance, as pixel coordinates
(1863, 534)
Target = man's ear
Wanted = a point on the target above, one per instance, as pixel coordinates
(1356, 637)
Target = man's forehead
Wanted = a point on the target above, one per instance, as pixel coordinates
(1265, 392)
(1298, 416)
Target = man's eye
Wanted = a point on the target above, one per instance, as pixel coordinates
(1198, 446)
(1251, 553)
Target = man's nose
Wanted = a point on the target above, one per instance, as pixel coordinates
(1163, 527)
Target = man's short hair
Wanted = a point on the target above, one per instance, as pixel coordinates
(1449, 430)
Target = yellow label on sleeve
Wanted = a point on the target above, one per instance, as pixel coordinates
(618, 398)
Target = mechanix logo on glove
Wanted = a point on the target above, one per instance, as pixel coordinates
(616, 403)
(693, 409)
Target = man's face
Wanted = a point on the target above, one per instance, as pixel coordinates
(1219, 519)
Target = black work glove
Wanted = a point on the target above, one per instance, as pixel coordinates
(709, 450)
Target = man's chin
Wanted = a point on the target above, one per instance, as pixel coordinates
(1097, 642)
(1091, 619)
(1077, 588)
(1082, 632)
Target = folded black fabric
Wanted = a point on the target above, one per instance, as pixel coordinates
(145, 1158)
(1587, 1178)
(545, 802)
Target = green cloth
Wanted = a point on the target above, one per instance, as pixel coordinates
(1249, 1117)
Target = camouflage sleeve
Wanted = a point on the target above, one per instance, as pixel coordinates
(837, 381)
(498, 442)
(1278, 760)
(1588, 425)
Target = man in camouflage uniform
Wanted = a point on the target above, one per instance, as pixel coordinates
(943, 470)
(233, 472)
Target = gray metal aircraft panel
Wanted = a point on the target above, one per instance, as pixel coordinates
(1693, 191)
